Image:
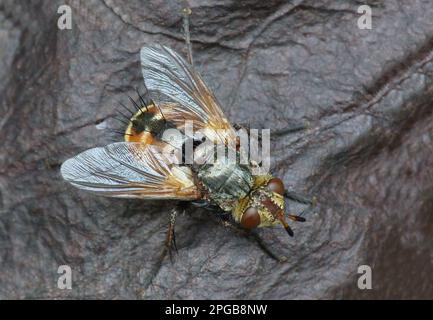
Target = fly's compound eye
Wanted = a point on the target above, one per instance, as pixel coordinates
(276, 185)
(250, 218)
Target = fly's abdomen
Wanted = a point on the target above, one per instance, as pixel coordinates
(226, 183)
(145, 125)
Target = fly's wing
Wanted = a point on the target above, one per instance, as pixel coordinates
(130, 170)
(165, 71)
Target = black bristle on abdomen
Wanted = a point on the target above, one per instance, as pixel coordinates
(144, 121)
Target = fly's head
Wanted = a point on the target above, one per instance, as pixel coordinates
(264, 206)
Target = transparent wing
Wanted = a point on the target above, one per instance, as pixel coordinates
(166, 72)
(129, 170)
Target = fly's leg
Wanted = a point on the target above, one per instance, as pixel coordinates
(170, 240)
(303, 199)
(292, 128)
(250, 234)
(254, 236)
(169, 244)
(186, 12)
(300, 198)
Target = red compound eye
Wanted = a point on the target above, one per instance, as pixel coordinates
(276, 185)
(250, 218)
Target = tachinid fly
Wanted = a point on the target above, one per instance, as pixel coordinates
(143, 166)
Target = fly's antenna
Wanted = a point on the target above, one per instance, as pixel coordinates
(280, 216)
(291, 217)
(298, 218)
(186, 12)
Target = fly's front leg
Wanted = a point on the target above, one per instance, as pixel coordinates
(300, 198)
(250, 234)
(312, 201)
(291, 128)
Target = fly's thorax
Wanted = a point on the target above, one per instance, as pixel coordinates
(225, 182)
(264, 200)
